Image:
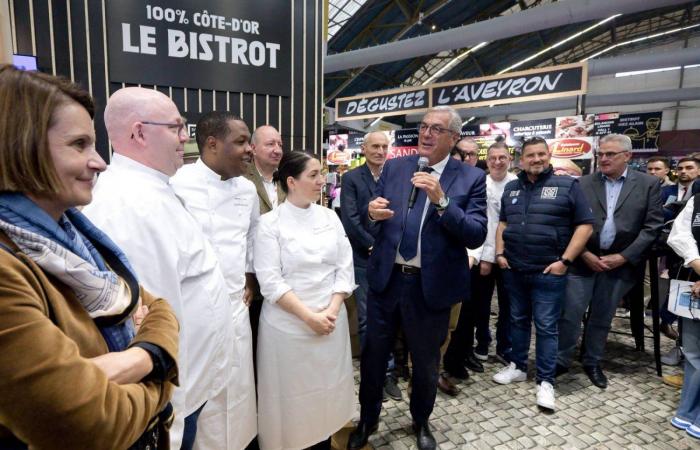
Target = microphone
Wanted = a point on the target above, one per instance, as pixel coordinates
(422, 166)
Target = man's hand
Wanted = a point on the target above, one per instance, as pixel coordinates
(485, 268)
(129, 366)
(430, 184)
(596, 264)
(502, 262)
(613, 261)
(139, 315)
(556, 268)
(251, 285)
(378, 209)
(695, 289)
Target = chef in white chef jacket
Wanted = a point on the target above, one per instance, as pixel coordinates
(226, 206)
(303, 262)
(135, 205)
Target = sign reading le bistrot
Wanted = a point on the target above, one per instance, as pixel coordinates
(238, 46)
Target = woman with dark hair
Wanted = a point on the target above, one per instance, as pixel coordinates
(303, 262)
(82, 364)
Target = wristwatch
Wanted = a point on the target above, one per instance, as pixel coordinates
(441, 205)
(566, 262)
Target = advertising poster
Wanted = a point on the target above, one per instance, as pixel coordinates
(644, 128)
(337, 150)
(572, 156)
(574, 126)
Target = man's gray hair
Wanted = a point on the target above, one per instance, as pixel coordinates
(455, 123)
(622, 140)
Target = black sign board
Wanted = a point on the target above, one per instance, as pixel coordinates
(643, 129)
(525, 129)
(241, 46)
(389, 103)
(469, 131)
(539, 84)
(407, 137)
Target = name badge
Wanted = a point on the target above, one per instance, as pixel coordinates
(549, 193)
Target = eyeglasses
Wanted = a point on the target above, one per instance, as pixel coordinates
(610, 155)
(471, 154)
(534, 140)
(179, 126)
(433, 129)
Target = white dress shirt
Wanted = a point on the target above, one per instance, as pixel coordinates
(681, 238)
(271, 189)
(134, 205)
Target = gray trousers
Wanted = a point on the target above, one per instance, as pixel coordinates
(602, 292)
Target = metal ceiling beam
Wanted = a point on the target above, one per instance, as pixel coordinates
(533, 19)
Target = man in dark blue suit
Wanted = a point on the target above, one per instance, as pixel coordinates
(418, 267)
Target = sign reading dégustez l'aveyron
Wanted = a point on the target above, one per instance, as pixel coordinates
(238, 46)
(538, 84)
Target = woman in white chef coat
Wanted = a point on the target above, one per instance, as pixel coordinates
(303, 262)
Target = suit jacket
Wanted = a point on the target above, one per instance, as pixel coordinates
(638, 218)
(265, 204)
(444, 265)
(672, 190)
(51, 395)
(357, 191)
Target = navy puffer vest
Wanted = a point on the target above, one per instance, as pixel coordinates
(539, 220)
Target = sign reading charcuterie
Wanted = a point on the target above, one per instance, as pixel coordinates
(538, 84)
(210, 44)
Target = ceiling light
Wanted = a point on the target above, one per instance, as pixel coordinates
(454, 61)
(644, 38)
(573, 36)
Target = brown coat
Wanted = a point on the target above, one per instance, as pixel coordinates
(51, 395)
(265, 205)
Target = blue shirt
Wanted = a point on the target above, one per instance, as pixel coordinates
(612, 192)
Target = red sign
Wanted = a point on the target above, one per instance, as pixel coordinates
(569, 148)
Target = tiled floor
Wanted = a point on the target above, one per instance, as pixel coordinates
(633, 412)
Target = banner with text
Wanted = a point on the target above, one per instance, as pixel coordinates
(242, 46)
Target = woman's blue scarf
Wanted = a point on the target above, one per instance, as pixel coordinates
(77, 234)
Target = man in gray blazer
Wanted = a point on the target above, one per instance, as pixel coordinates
(628, 215)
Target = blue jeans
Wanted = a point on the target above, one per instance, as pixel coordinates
(689, 408)
(535, 296)
(190, 431)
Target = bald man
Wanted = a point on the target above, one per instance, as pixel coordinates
(134, 203)
(266, 144)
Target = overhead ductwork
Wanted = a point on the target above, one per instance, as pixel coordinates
(527, 21)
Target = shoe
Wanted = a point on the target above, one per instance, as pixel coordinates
(673, 357)
(675, 381)
(481, 353)
(360, 435)
(502, 358)
(692, 430)
(459, 372)
(447, 386)
(560, 370)
(679, 423)
(545, 395)
(392, 390)
(473, 364)
(424, 438)
(596, 375)
(668, 331)
(509, 374)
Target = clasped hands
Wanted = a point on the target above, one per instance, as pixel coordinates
(378, 208)
(322, 322)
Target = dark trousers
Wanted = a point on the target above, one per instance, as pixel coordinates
(189, 433)
(475, 316)
(402, 303)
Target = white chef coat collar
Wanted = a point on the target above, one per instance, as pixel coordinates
(209, 174)
(119, 160)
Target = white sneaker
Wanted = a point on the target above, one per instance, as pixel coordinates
(509, 374)
(545, 395)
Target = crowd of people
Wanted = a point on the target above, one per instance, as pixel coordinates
(203, 306)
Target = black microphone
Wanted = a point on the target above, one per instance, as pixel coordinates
(422, 166)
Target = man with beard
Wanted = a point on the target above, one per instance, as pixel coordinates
(545, 222)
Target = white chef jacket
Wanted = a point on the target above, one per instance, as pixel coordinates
(494, 192)
(304, 250)
(227, 211)
(173, 259)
